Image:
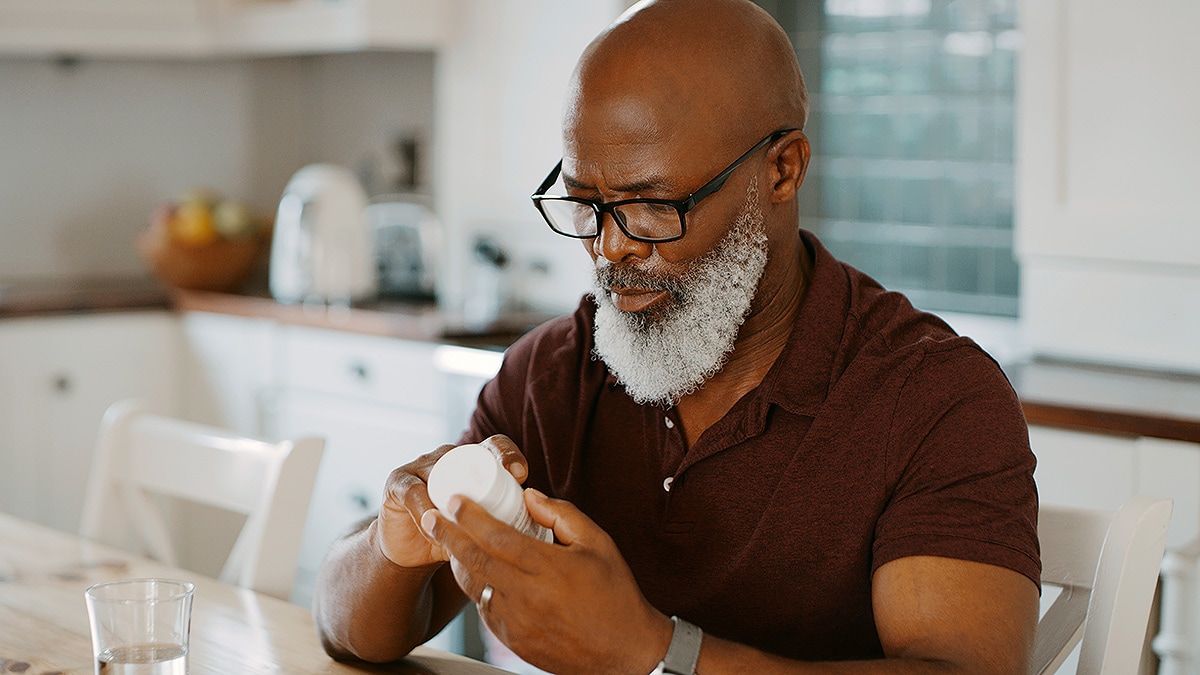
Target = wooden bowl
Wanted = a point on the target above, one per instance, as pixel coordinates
(222, 265)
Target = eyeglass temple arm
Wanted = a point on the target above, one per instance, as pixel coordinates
(719, 180)
(549, 180)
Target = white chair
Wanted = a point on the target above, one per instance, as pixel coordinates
(139, 453)
(1106, 565)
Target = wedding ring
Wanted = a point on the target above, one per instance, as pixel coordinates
(485, 598)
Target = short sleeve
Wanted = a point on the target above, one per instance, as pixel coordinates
(498, 408)
(958, 457)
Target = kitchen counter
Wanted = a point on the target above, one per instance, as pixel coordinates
(1084, 397)
(408, 320)
(1108, 399)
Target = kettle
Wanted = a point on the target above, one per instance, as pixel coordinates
(323, 250)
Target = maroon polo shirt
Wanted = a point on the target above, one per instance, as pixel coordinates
(877, 434)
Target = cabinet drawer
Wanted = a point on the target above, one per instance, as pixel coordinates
(381, 370)
(363, 443)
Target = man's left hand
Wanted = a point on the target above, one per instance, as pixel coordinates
(567, 607)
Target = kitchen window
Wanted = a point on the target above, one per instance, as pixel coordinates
(912, 132)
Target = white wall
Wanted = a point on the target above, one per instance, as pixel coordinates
(500, 91)
(87, 151)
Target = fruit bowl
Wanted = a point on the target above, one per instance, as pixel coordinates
(216, 265)
(204, 243)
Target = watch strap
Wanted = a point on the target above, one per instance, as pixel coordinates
(684, 650)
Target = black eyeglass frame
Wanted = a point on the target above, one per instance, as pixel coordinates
(681, 206)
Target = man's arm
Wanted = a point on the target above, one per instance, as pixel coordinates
(368, 608)
(385, 588)
(575, 607)
(933, 615)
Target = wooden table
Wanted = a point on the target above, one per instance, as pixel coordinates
(44, 624)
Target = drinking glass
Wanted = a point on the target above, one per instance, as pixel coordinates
(140, 626)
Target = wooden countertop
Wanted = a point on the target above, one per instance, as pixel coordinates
(1106, 399)
(384, 318)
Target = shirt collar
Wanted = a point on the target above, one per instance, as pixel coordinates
(802, 375)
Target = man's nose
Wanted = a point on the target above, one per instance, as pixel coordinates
(612, 242)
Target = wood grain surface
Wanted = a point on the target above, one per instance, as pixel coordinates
(44, 624)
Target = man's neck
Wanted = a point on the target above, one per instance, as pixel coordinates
(761, 340)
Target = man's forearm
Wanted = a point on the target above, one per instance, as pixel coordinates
(719, 657)
(366, 607)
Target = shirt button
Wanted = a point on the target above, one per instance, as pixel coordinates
(669, 423)
(667, 483)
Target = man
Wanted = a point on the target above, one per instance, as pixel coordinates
(760, 461)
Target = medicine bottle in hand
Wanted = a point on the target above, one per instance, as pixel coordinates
(475, 473)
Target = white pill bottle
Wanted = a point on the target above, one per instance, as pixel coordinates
(474, 472)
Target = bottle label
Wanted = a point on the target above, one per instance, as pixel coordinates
(527, 525)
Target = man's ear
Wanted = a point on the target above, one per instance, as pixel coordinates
(788, 160)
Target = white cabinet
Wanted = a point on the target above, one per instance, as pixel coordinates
(317, 26)
(229, 371)
(57, 377)
(378, 403)
(104, 27)
(1106, 144)
(363, 443)
(206, 28)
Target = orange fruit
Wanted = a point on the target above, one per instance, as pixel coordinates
(193, 224)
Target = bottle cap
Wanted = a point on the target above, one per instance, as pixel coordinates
(473, 472)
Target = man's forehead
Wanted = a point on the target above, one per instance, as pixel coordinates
(624, 165)
(630, 145)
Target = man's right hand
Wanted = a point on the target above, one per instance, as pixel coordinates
(398, 532)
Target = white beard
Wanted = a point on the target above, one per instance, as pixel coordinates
(661, 357)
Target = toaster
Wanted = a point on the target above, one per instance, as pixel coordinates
(407, 238)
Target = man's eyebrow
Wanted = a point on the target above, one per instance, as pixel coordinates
(651, 184)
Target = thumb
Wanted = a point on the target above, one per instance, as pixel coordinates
(570, 525)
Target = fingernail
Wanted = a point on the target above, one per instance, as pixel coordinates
(537, 493)
(428, 520)
(517, 470)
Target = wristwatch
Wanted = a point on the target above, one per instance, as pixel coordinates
(683, 651)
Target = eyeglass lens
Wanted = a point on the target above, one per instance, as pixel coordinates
(642, 220)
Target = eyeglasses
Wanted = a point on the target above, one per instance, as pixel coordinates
(646, 220)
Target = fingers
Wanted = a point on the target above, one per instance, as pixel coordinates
(495, 538)
(473, 563)
(407, 484)
(401, 538)
(509, 454)
(570, 525)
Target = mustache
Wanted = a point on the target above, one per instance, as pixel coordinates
(628, 275)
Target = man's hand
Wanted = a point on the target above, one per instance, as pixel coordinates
(406, 500)
(569, 608)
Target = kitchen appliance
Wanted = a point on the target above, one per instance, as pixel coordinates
(323, 249)
(407, 238)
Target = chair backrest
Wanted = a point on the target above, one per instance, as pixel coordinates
(139, 453)
(1107, 566)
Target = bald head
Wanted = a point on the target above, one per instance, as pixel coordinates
(721, 70)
